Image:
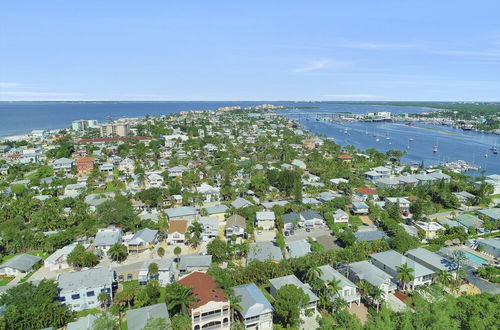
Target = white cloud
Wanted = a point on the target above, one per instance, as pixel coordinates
(322, 64)
(9, 85)
(37, 96)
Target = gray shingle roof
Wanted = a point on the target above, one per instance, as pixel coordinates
(393, 259)
(369, 236)
(22, 262)
(432, 259)
(195, 261)
(264, 251)
(367, 271)
(239, 203)
(90, 278)
(253, 301)
(292, 279)
(216, 209)
(138, 318)
(298, 249)
(328, 273)
(146, 234)
(181, 211)
(107, 237)
(83, 323)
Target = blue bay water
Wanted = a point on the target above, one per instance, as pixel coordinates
(22, 117)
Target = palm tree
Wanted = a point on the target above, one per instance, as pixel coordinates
(235, 305)
(313, 273)
(405, 275)
(376, 295)
(118, 252)
(103, 298)
(333, 287)
(153, 270)
(364, 287)
(444, 277)
(177, 252)
(161, 252)
(179, 297)
(459, 258)
(194, 231)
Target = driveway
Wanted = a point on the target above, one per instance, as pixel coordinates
(302, 234)
(481, 284)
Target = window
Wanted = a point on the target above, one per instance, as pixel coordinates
(121, 278)
(75, 296)
(90, 294)
(129, 277)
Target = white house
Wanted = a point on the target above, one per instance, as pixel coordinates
(80, 290)
(106, 238)
(265, 220)
(366, 271)
(340, 216)
(348, 291)
(166, 271)
(19, 265)
(154, 180)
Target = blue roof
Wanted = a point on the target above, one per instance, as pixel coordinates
(253, 301)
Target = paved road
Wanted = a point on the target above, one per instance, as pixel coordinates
(482, 285)
(302, 234)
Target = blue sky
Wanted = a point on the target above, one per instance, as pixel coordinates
(250, 50)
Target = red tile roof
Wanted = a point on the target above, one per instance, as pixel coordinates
(344, 156)
(367, 191)
(204, 288)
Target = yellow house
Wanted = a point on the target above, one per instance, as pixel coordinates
(218, 211)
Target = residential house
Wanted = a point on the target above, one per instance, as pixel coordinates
(264, 251)
(464, 196)
(20, 264)
(307, 219)
(493, 214)
(57, 260)
(368, 272)
(299, 164)
(390, 260)
(154, 180)
(277, 283)
(176, 232)
(210, 228)
(182, 212)
(431, 260)
(176, 171)
(127, 165)
(63, 164)
(469, 220)
(138, 318)
(490, 246)
(370, 235)
(359, 208)
(74, 189)
(80, 290)
(265, 220)
(143, 239)
(403, 203)
(240, 203)
(340, 216)
(430, 228)
(194, 263)
(106, 168)
(297, 249)
(106, 238)
(363, 194)
(210, 194)
(85, 165)
(235, 225)
(348, 290)
(217, 211)
(256, 312)
(211, 310)
(166, 271)
(345, 158)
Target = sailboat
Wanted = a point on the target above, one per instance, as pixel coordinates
(435, 148)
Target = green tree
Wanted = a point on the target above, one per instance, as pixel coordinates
(104, 322)
(179, 298)
(103, 298)
(153, 270)
(161, 252)
(118, 252)
(181, 322)
(444, 277)
(156, 323)
(80, 258)
(177, 251)
(218, 249)
(405, 275)
(288, 303)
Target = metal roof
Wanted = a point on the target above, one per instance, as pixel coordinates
(253, 301)
(367, 271)
(22, 262)
(393, 259)
(138, 318)
(90, 278)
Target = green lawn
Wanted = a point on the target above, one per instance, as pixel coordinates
(88, 312)
(5, 280)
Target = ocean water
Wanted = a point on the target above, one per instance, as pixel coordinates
(23, 117)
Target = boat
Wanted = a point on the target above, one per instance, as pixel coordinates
(435, 148)
(411, 139)
(377, 139)
(409, 124)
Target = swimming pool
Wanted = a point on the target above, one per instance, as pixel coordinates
(475, 258)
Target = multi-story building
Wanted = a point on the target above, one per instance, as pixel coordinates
(211, 310)
(256, 311)
(85, 165)
(79, 290)
(110, 130)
